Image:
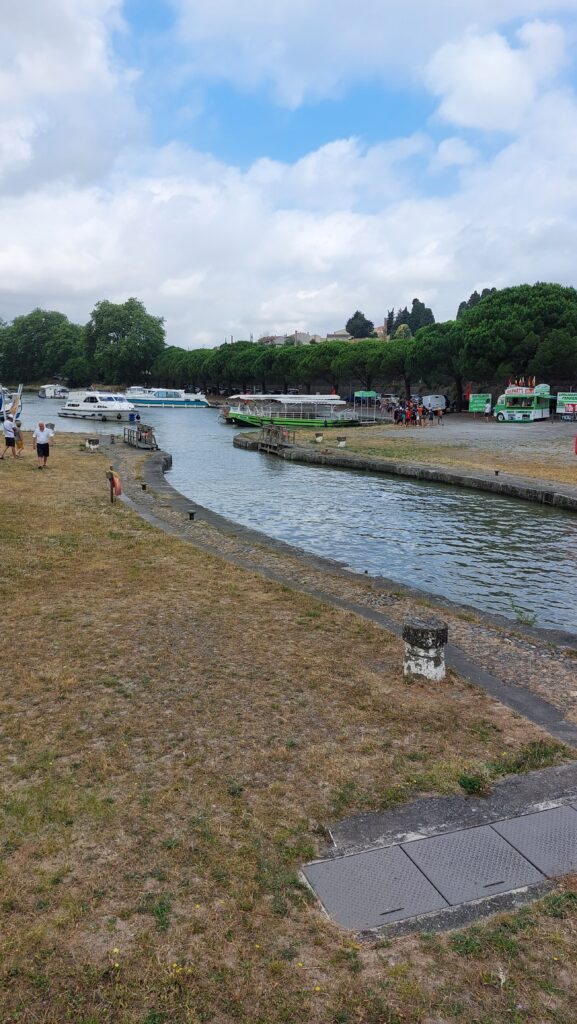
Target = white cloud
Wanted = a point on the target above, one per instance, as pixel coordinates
(485, 83)
(67, 106)
(88, 211)
(305, 49)
(217, 251)
(453, 152)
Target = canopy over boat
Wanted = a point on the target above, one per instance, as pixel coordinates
(332, 400)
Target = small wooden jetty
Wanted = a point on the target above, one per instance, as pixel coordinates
(274, 437)
(140, 436)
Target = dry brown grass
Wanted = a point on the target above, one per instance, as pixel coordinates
(176, 735)
(551, 458)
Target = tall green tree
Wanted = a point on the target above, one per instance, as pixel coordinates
(38, 344)
(358, 326)
(505, 331)
(124, 341)
(360, 362)
(439, 355)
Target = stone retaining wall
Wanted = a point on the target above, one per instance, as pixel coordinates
(506, 484)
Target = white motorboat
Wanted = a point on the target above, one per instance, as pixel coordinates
(166, 398)
(99, 405)
(53, 391)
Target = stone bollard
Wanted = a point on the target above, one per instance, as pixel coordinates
(342, 442)
(319, 438)
(425, 638)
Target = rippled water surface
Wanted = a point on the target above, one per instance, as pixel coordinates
(494, 553)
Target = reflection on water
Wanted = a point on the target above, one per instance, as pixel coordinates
(494, 553)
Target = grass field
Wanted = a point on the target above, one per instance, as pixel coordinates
(177, 734)
(539, 452)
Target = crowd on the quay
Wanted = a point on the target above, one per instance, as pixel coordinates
(416, 414)
(14, 440)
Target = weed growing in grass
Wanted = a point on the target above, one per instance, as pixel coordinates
(160, 908)
(475, 783)
(560, 904)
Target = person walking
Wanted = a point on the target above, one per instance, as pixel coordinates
(42, 435)
(9, 437)
(487, 410)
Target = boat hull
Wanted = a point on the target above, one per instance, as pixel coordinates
(103, 417)
(168, 403)
(242, 419)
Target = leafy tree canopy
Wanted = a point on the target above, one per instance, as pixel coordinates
(123, 340)
(358, 326)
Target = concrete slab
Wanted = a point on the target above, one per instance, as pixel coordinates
(369, 890)
(513, 797)
(471, 864)
(548, 839)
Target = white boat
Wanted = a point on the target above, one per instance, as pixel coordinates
(166, 398)
(53, 391)
(99, 405)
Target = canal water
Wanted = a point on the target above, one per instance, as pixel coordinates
(497, 554)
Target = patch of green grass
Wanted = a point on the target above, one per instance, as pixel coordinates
(475, 783)
(560, 904)
(159, 906)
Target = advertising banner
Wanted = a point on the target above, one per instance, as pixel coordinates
(565, 399)
(477, 402)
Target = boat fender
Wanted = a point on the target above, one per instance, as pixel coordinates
(103, 419)
(137, 415)
(118, 415)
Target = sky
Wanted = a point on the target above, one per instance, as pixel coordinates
(272, 165)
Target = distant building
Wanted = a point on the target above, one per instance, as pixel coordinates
(381, 332)
(342, 335)
(296, 338)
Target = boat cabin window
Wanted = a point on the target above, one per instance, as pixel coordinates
(90, 398)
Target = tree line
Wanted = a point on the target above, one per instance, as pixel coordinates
(527, 330)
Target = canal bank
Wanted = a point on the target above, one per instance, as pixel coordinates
(529, 669)
(499, 482)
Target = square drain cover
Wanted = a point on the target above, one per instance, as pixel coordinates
(548, 839)
(471, 864)
(367, 890)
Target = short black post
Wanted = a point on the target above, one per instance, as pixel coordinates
(143, 487)
(191, 514)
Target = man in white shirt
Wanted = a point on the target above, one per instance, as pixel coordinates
(42, 435)
(9, 438)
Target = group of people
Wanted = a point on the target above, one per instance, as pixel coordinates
(14, 442)
(415, 414)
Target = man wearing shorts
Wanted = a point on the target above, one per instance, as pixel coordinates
(9, 437)
(42, 436)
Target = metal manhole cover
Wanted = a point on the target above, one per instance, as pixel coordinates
(548, 839)
(368, 890)
(471, 864)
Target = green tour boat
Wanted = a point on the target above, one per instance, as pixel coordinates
(288, 411)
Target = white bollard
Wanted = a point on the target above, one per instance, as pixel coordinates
(319, 438)
(425, 639)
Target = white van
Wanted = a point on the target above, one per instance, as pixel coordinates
(434, 402)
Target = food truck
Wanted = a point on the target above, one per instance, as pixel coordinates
(523, 405)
